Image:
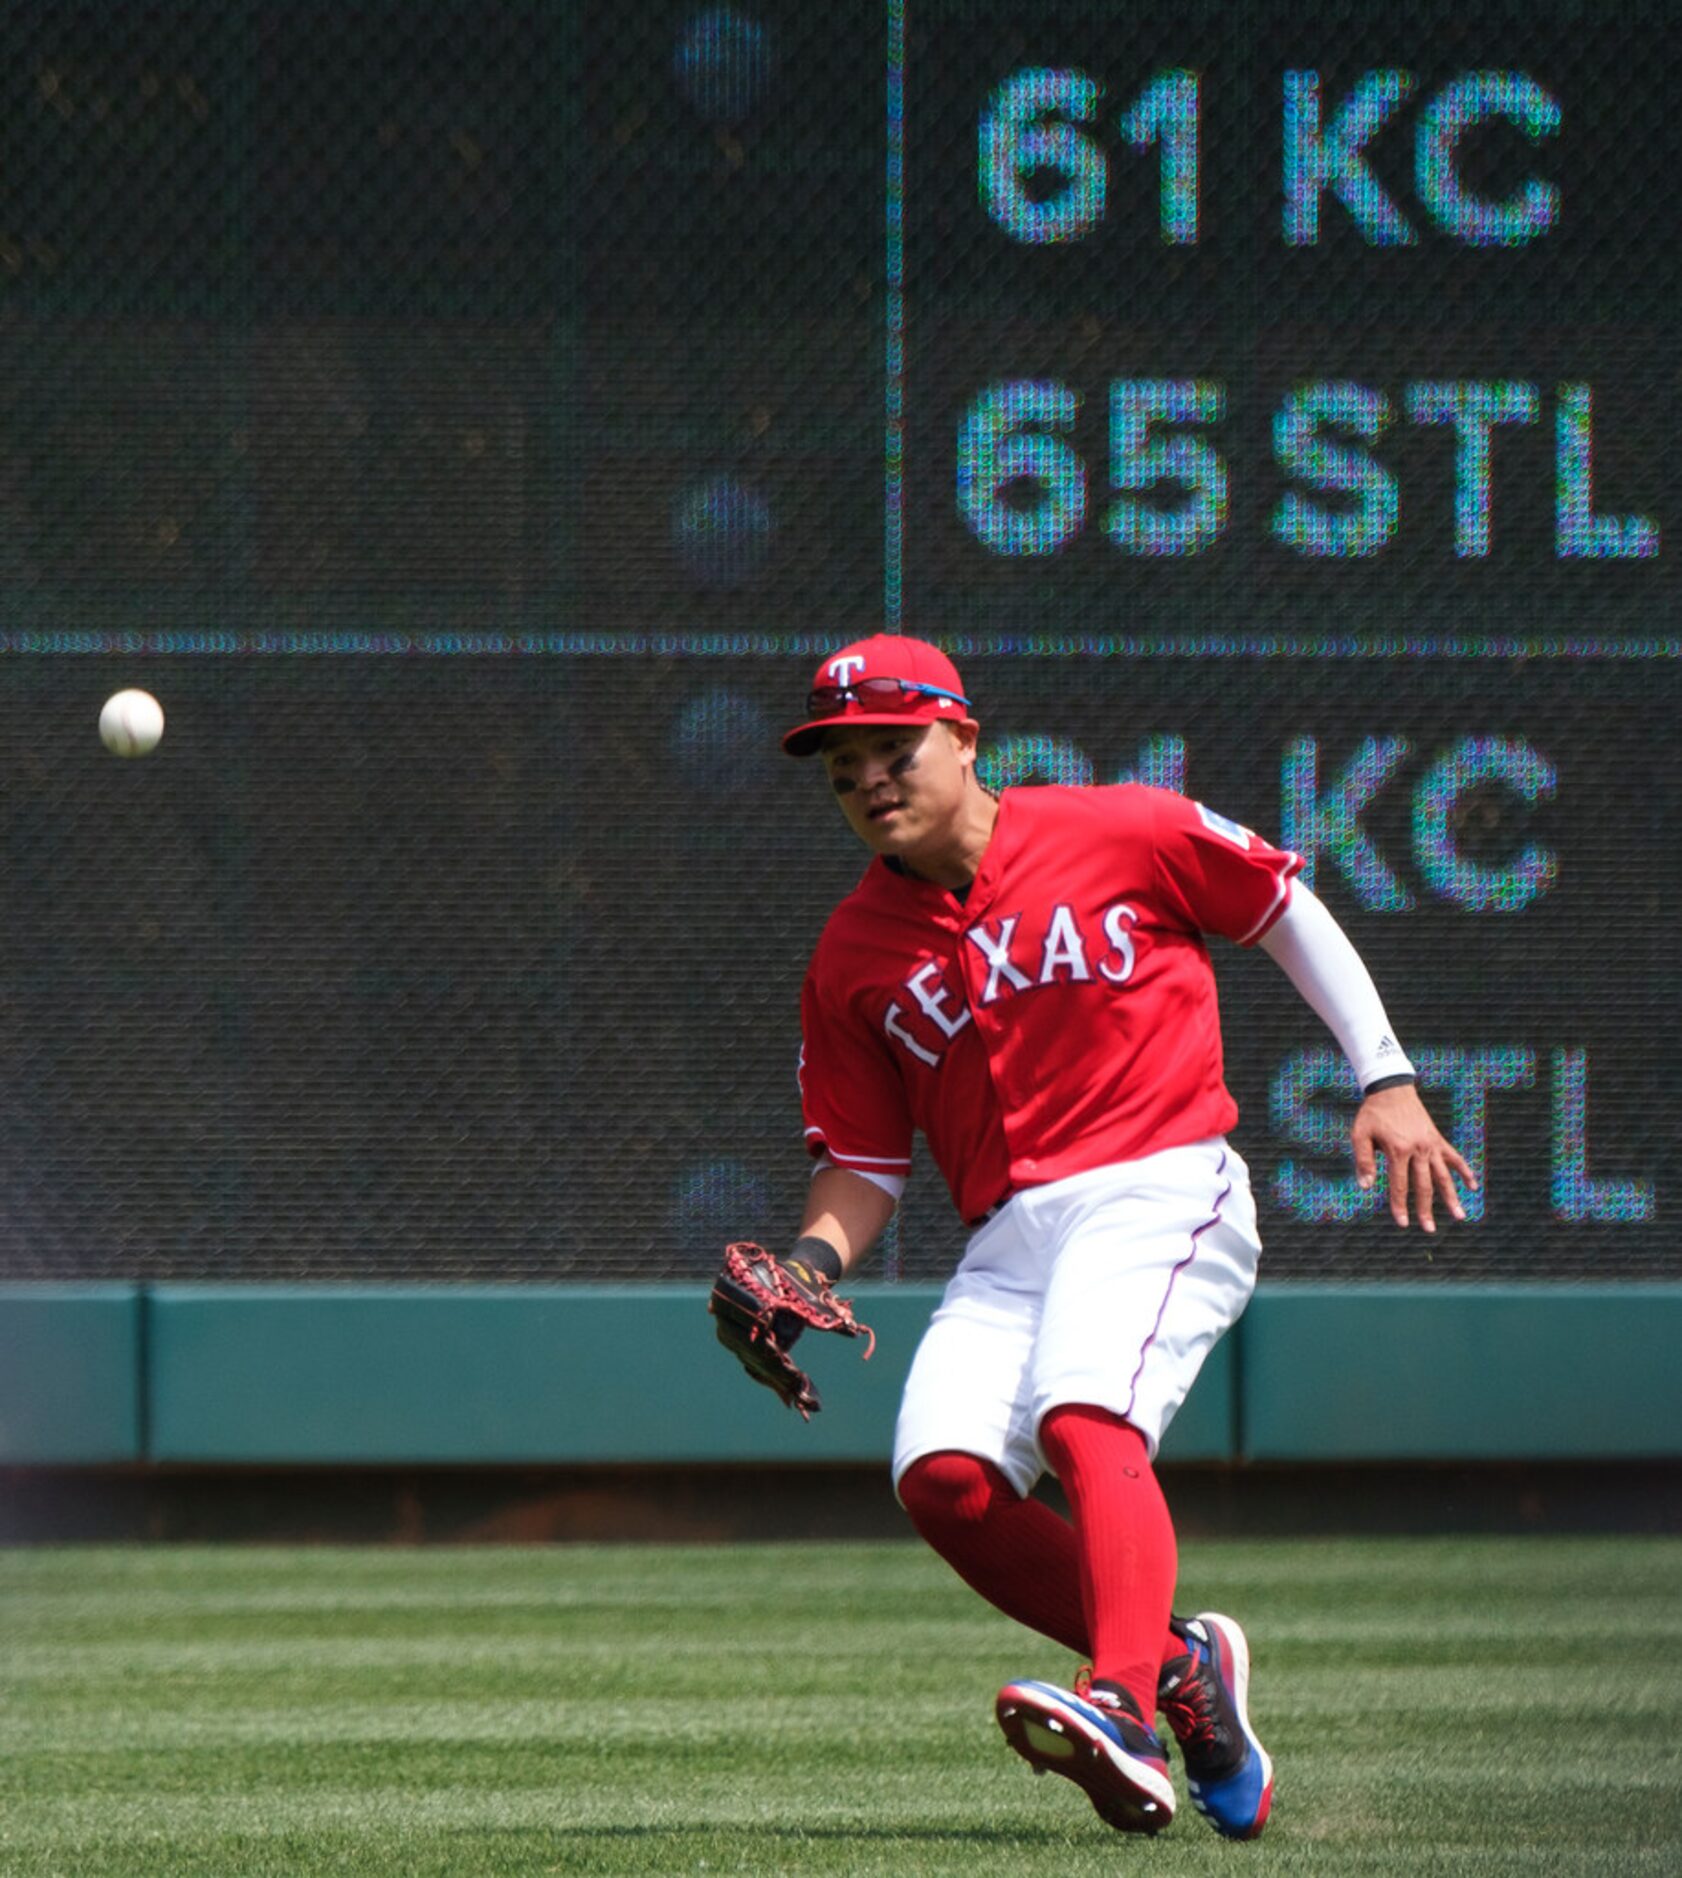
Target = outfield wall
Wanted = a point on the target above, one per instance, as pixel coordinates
(585, 1375)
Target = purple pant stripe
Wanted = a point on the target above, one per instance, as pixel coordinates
(1168, 1290)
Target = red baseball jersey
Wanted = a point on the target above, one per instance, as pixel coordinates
(1059, 1017)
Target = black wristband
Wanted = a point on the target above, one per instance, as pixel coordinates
(1389, 1082)
(819, 1254)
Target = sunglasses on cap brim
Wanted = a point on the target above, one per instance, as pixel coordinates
(877, 694)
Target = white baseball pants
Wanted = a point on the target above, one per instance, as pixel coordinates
(1108, 1288)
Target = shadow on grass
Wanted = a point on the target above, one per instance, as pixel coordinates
(847, 1835)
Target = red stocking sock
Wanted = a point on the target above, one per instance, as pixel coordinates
(1016, 1552)
(1128, 1555)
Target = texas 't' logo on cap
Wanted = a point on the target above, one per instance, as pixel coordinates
(886, 679)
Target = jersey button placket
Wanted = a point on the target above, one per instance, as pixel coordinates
(989, 1026)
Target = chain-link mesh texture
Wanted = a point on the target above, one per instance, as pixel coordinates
(473, 421)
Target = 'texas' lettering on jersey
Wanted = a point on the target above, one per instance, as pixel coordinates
(1003, 960)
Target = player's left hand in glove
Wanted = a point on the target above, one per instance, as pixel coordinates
(762, 1303)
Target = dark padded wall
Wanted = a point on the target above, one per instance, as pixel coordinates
(473, 422)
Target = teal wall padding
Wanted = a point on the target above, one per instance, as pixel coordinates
(579, 1374)
(569, 1373)
(1501, 1372)
(70, 1373)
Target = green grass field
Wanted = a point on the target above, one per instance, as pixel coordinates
(1433, 1706)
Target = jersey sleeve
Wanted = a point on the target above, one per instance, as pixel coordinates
(854, 1103)
(1225, 878)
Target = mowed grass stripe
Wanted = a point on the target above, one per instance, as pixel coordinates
(614, 1574)
(66, 1722)
(1455, 1706)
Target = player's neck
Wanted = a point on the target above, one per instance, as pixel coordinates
(955, 860)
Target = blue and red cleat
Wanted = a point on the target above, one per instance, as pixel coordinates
(1203, 1694)
(1105, 1749)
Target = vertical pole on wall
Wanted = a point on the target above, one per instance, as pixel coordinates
(143, 1372)
(564, 221)
(893, 440)
(237, 312)
(1238, 1429)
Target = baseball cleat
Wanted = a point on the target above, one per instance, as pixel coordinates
(1228, 1772)
(1109, 1752)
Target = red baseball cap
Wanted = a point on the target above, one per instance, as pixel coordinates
(841, 691)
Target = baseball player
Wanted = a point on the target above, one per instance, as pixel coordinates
(1024, 978)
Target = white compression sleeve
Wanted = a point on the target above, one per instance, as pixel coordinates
(893, 1185)
(1315, 953)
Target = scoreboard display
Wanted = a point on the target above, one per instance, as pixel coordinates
(474, 423)
(1292, 317)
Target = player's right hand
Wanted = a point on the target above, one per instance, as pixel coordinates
(1421, 1166)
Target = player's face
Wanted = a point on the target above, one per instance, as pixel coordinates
(902, 787)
